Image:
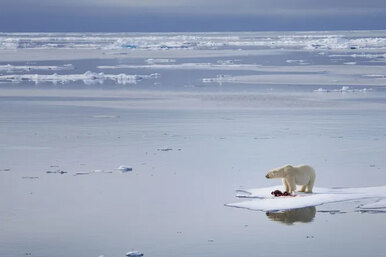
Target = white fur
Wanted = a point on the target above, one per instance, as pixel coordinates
(291, 176)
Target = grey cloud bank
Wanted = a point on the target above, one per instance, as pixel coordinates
(173, 15)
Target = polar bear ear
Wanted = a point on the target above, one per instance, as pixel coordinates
(288, 166)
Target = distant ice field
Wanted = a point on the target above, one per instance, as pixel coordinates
(324, 61)
(374, 40)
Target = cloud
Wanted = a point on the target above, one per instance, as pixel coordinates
(225, 7)
(190, 15)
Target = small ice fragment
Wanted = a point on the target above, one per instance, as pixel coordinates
(81, 173)
(29, 177)
(124, 168)
(165, 149)
(134, 254)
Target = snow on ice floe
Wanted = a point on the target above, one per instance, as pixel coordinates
(344, 89)
(16, 68)
(379, 204)
(262, 200)
(88, 78)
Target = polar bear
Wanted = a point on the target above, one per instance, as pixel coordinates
(291, 176)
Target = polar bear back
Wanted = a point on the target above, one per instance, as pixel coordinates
(303, 174)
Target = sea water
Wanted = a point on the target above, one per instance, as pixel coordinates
(196, 116)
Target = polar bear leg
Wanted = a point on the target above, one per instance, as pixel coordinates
(309, 186)
(303, 188)
(291, 184)
(286, 187)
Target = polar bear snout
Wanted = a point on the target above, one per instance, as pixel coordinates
(267, 176)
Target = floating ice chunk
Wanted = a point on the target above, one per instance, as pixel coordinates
(88, 78)
(9, 43)
(219, 79)
(15, 68)
(124, 168)
(375, 76)
(350, 63)
(81, 173)
(152, 61)
(262, 199)
(296, 61)
(344, 89)
(165, 149)
(134, 254)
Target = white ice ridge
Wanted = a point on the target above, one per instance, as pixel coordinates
(15, 68)
(87, 77)
(344, 89)
(262, 200)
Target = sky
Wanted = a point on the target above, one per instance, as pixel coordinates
(189, 15)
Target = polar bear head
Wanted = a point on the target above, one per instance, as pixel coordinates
(278, 172)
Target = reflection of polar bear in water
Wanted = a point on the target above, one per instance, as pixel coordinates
(303, 175)
(288, 217)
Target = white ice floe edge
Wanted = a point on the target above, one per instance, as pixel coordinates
(262, 200)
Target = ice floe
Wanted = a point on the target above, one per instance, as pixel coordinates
(186, 66)
(375, 76)
(361, 55)
(218, 79)
(379, 204)
(124, 168)
(88, 78)
(15, 68)
(262, 200)
(134, 254)
(152, 61)
(344, 89)
(302, 62)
